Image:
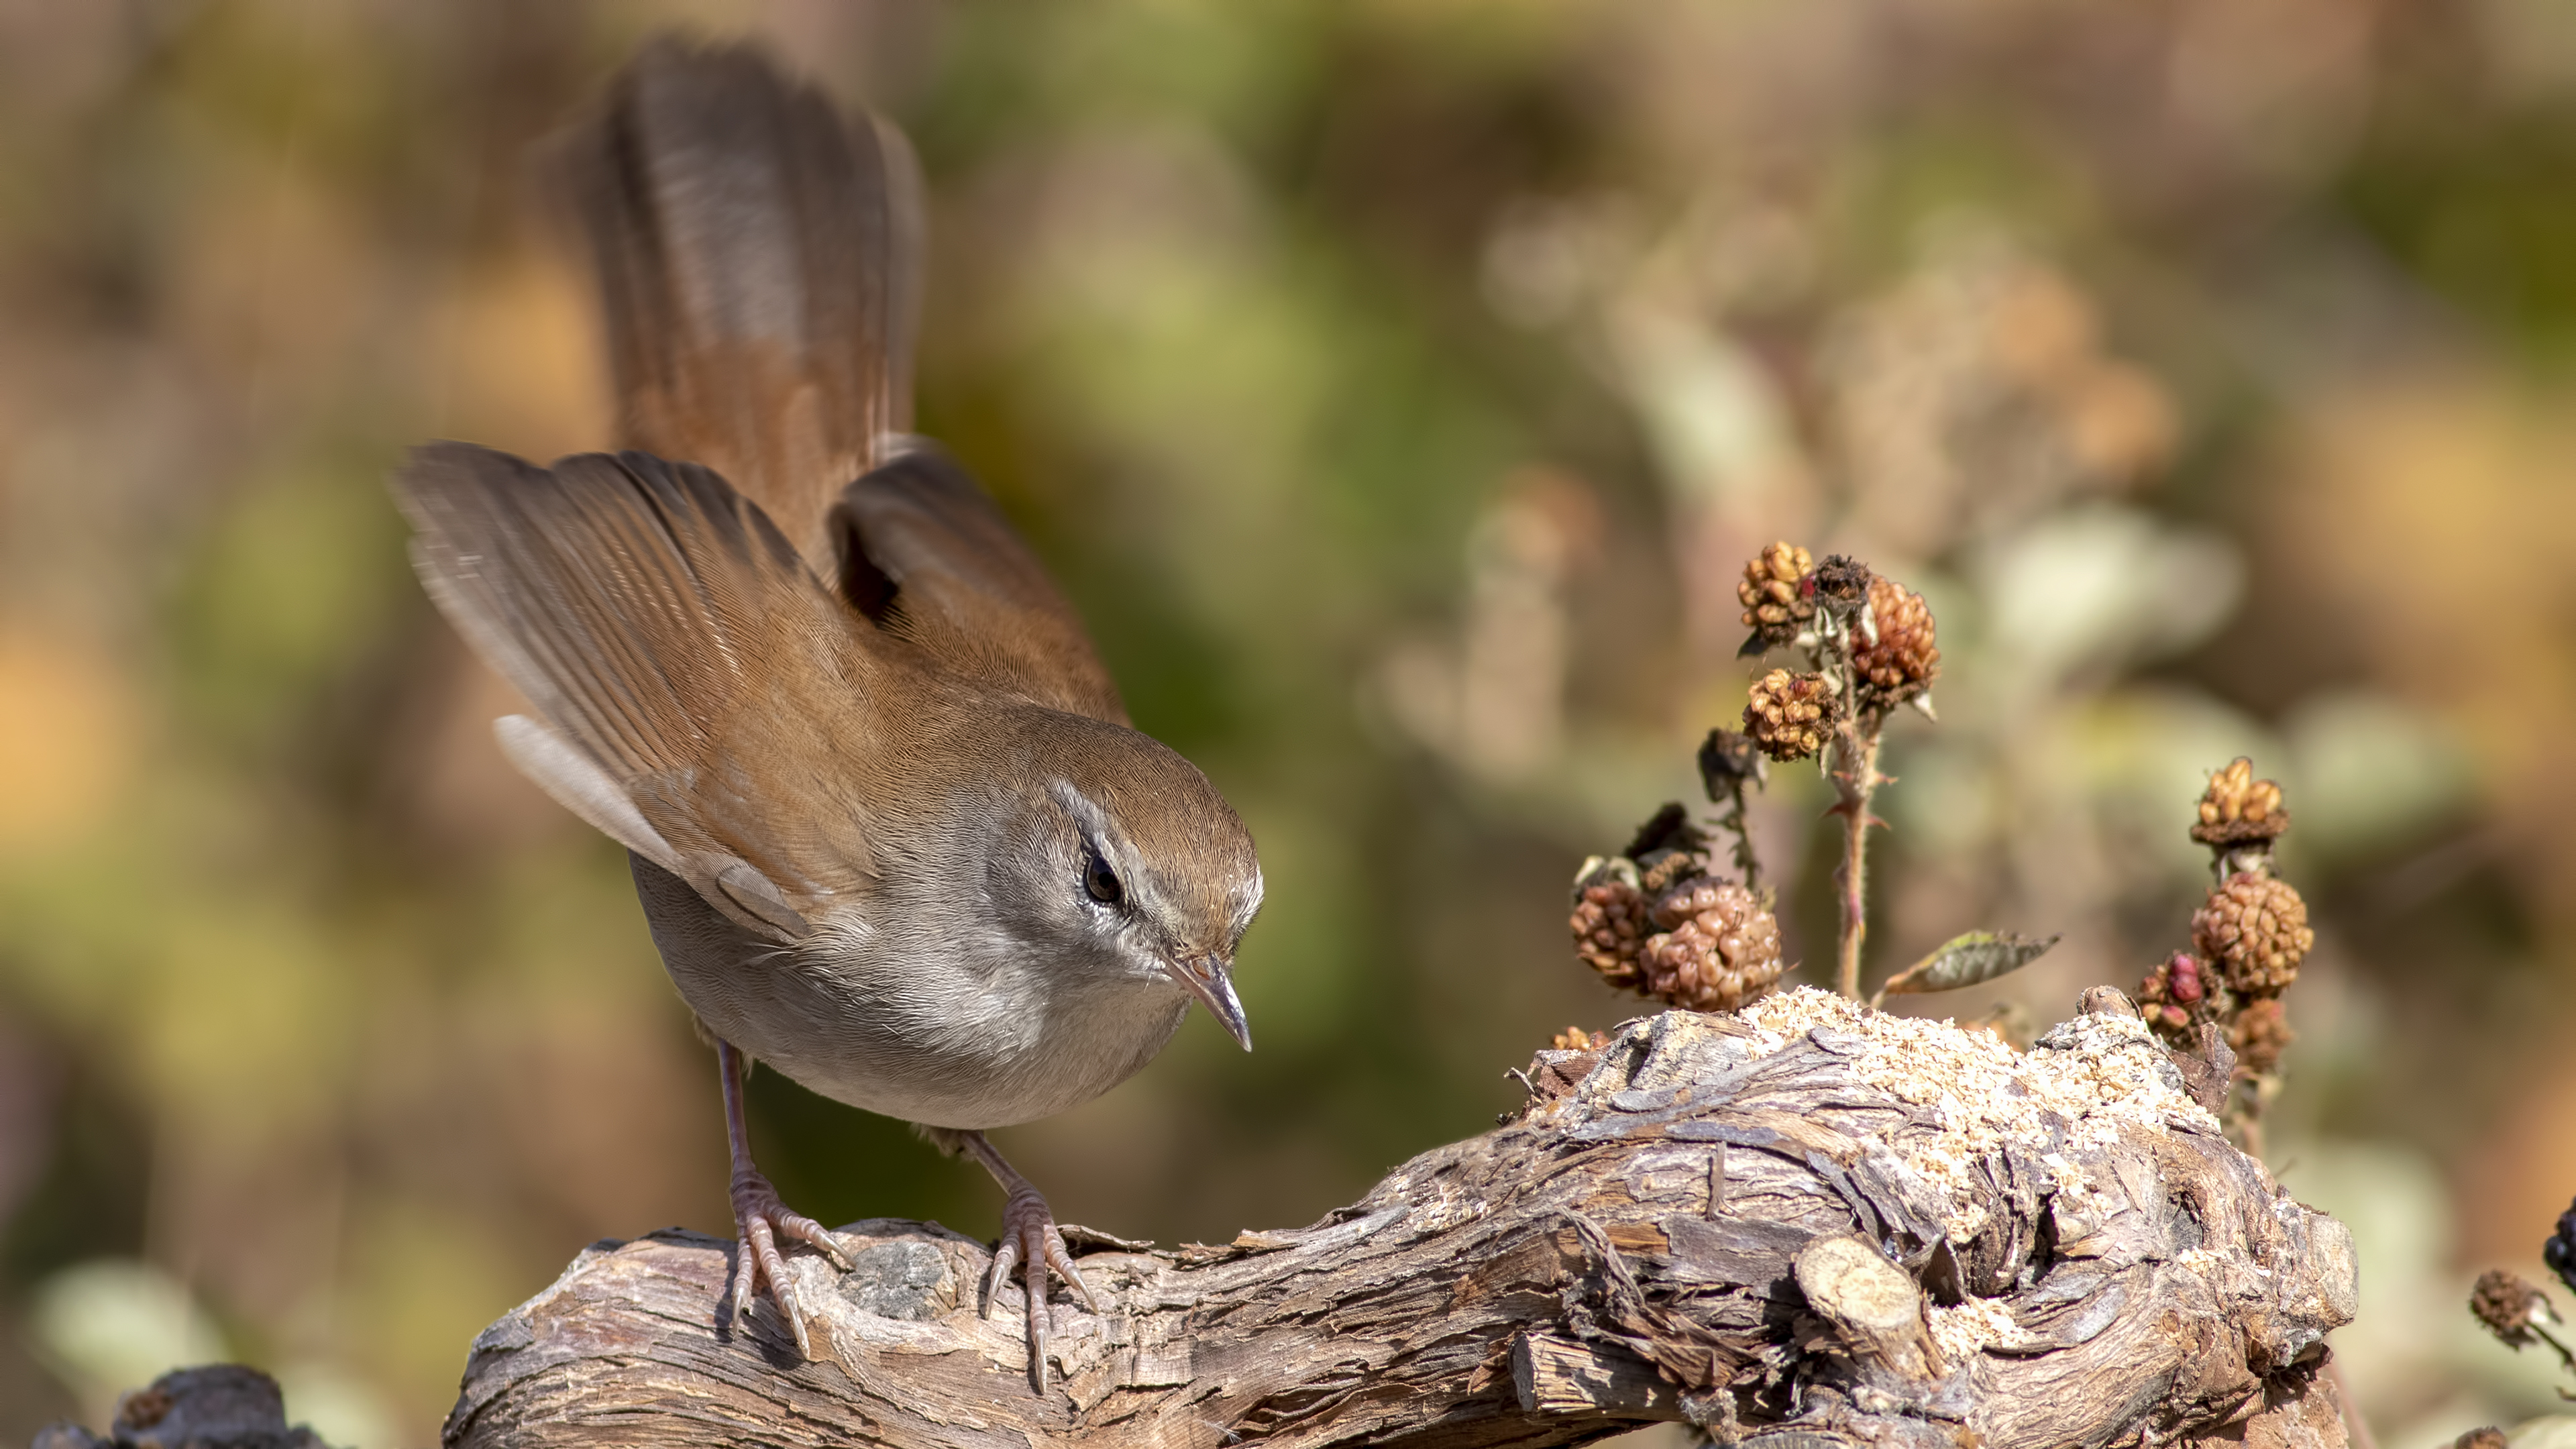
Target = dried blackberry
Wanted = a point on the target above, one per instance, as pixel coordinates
(1904, 661)
(1790, 716)
(2256, 928)
(1841, 583)
(1718, 948)
(1776, 607)
(1609, 926)
(2238, 809)
(2260, 1033)
(2173, 997)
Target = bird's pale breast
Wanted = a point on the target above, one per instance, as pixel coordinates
(950, 1037)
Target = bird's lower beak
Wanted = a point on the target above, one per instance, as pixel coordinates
(1211, 980)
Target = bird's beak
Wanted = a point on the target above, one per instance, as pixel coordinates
(1211, 980)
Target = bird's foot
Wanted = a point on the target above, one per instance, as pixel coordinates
(1031, 1240)
(760, 1220)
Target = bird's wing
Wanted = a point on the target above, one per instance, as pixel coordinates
(759, 266)
(924, 551)
(698, 686)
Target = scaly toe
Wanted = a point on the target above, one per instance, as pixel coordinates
(1032, 1243)
(759, 1220)
(1005, 1254)
(813, 1234)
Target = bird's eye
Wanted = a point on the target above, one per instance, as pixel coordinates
(1099, 879)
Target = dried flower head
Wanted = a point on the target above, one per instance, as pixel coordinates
(2509, 1307)
(1728, 762)
(2173, 997)
(2260, 1033)
(2238, 809)
(1669, 828)
(1609, 926)
(2256, 928)
(1841, 584)
(1904, 660)
(1718, 948)
(2489, 1437)
(1790, 715)
(1776, 608)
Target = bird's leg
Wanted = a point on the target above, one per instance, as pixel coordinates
(759, 1217)
(1029, 1238)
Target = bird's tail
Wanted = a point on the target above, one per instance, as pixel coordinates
(759, 265)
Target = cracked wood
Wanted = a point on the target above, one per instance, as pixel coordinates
(1630, 1248)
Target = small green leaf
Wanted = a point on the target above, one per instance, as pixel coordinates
(1969, 960)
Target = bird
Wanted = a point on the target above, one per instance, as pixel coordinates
(892, 829)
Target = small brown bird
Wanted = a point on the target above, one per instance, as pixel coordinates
(890, 826)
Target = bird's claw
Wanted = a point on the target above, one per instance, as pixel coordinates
(760, 1218)
(1032, 1242)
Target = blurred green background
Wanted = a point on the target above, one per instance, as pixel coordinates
(1398, 386)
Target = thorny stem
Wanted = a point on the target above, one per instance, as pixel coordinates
(1856, 751)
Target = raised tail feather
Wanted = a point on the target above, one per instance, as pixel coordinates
(759, 262)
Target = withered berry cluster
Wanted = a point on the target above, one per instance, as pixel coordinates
(1869, 642)
(1659, 921)
(2247, 939)
(1791, 716)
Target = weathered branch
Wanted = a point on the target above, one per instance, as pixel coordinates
(1808, 1226)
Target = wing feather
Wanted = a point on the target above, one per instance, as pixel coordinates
(672, 641)
(952, 576)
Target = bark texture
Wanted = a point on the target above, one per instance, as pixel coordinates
(1772, 1233)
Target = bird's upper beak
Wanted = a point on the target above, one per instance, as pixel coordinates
(1211, 980)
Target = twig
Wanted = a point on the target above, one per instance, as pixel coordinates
(2356, 1428)
(2564, 1357)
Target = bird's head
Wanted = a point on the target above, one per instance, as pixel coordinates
(1128, 855)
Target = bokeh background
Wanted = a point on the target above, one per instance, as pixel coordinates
(1398, 386)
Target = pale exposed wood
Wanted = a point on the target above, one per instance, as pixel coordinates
(1874, 1307)
(1565, 1276)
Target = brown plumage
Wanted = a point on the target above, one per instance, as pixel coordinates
(760, 266)
(889, 825)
